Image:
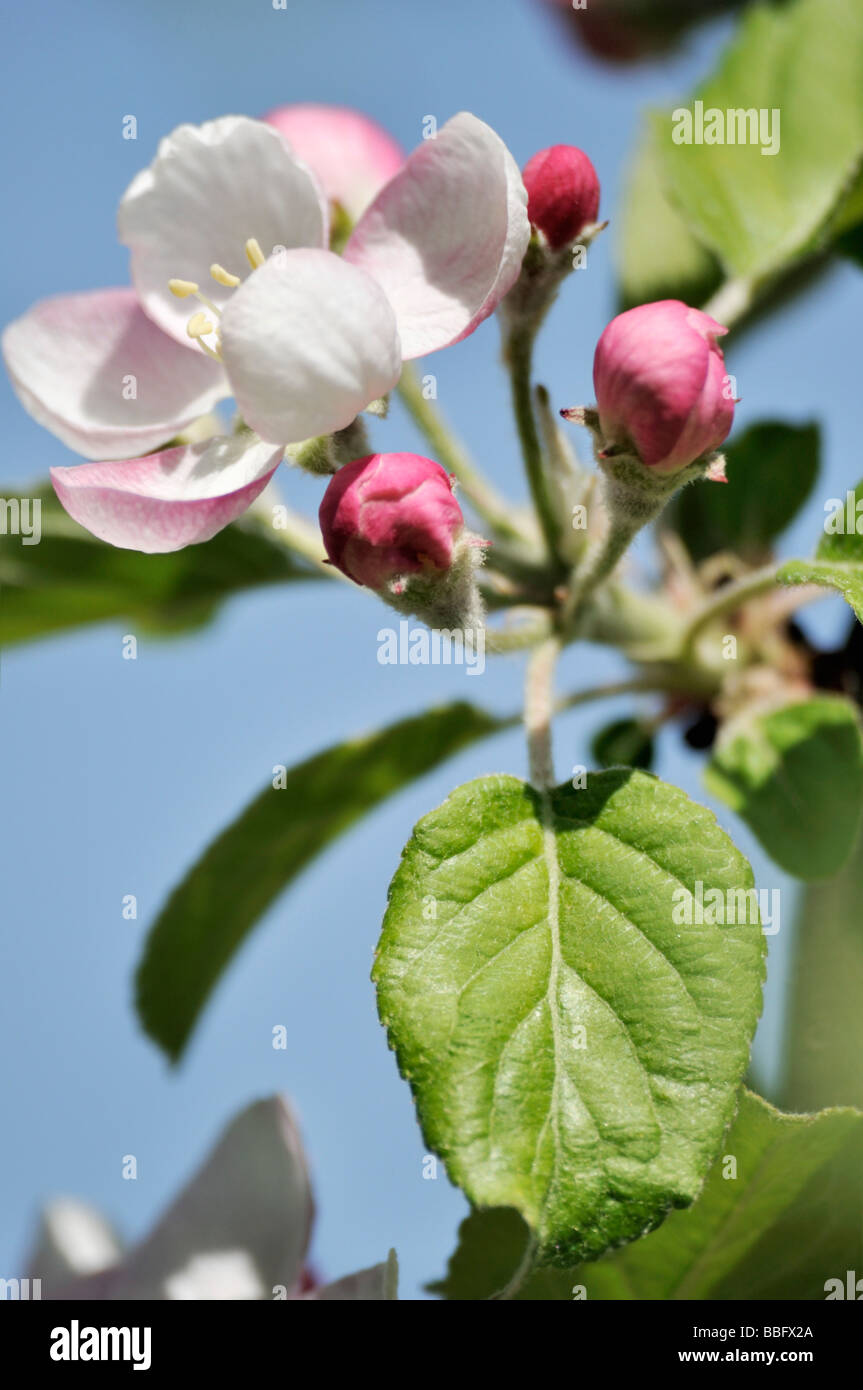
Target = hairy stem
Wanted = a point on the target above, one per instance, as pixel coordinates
(539, 711)
(596, 567)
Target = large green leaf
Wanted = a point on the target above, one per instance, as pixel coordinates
(776, 1223)
(795, 775)
(838, 562)
(658, 256)
(824, 1031)
(211, 913)
(71, 579)
(574, 1047)
(759, 212)
(771, 471)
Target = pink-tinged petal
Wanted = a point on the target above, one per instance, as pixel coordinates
(169, 500)
(98, 373)
(446, 237)
(308, 342)
(209, 189)
(351, 154)
(661, 384)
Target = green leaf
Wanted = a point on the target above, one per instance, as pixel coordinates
(624, 743)
(71, 579)
(574, 1053)
(776, 1224)
(759, 212)
(795, 775)
(838, 562)
(771, 471)
(210, 914)
(658, 257)
(825, 1029)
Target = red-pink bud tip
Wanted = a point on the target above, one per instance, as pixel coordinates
(562, 193)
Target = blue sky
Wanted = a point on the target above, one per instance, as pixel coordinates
(118, 773)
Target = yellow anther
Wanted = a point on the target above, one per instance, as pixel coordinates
(224, 277)
(254, 253)
(182, 288)
(199, 325)
(197, 328)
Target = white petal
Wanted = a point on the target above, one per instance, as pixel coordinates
(446, 237)
(245, 1217)
(74, 1240)
(308, 342)
(168, 500)
(95, 370)
(209, 189)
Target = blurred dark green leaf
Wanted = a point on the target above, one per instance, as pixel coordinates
(624, 743)
(777, 1223)
(772, 468)
(795, 775)
(71, 579)
(211, 913)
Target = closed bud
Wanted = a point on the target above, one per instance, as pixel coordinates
(662, 391)
(562, 192)
(388, 516)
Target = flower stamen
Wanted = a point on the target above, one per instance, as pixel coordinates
(197, 328)
(254, 254)
(224, 277)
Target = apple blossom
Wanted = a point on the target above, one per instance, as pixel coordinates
(661, 385)
(563, 193)
(304, 343)
(389, 515)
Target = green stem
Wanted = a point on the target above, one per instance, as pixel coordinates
(525, 1267)
(597, 566)
(637, 685)
(518, 353)
(726, 600)
(731, 302)
(451, 453)
(517, 639)
(539, 711)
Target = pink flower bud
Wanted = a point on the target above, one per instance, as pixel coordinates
(661, 385)
(562, 193)
(387, 515)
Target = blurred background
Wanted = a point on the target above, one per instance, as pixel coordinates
(117, 773)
